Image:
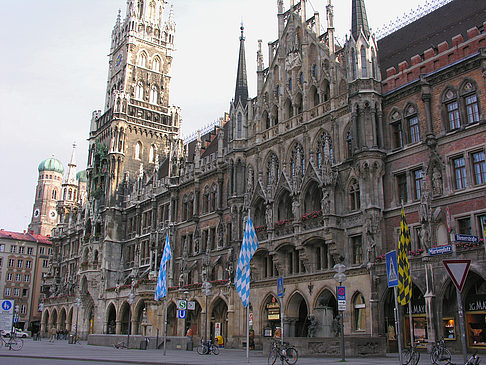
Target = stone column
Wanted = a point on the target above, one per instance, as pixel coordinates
(430, 302)
(373, 125)
(118, 325)
(354, 131)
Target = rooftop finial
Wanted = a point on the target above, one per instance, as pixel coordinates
(242, 28)
(359, 19)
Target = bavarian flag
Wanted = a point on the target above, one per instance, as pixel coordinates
(404, 281)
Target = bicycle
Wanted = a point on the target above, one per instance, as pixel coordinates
(120, 345)
(410, 356)
(440, 355)
(207, 348)
(13, 343)
(473, 360)
(282, 352)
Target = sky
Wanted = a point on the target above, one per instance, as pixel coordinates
(54, 67)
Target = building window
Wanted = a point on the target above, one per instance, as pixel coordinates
(156, 64)
(460, 179)
(397, 134)
(142, 59)
(16, 292)
(453, 115)
(11, 263)
(418, 176)
(138, 151)
(2, 248)
(23, 308)
(353, 63)
(20, 263)
(54, 194)
(8, 292)
(18, 277)
(357, 248)
(472, 109)
(402, 187)
(354, 196)
(21, 250)
(45, 263)
(359, 313)
(9, 276)
(13, 249)
(28, 264)
(239, 125)
(139, 91)
(154, 95)
(49, 251)
(27, 278)
(30, 250)
(364, 66)
(464, 226)
(413, 129)
(479, 168)
(1, 261)
(152, 154)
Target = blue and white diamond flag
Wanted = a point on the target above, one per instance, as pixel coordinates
(248, 248)
(161, 288)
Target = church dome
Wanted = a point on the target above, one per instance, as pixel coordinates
(51, 164)
(81, 176)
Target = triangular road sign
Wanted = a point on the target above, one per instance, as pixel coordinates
(457, 270)
(393, 272)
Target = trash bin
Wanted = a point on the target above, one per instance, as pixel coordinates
(71, 339)
(189, 345)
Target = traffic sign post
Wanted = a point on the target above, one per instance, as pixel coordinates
(6, 314)
(182, 304)
(392, 268)
(280, 294)
(181, 314)
(457, 270)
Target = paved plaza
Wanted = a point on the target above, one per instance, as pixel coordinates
(60, 352)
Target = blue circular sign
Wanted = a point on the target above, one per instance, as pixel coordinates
(6, 305)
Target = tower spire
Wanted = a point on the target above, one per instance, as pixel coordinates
(241, 92)
(71, 174)
(359, 19)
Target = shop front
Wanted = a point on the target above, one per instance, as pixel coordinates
(475, 308)
(271, 318)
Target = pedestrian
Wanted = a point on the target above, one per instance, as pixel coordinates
(52, 336)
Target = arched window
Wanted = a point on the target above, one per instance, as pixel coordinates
(142, 59)
(156, 66)
(354, 197)
(413, 125)
(154, 95)
(359, 318)
(54, 194)
(70, 194)
(152, 154)
(290, 84)
(353, 63)
(64, 193)
(239, 125)
(139, 91)
(471, 102)
(138, 151)
(364, 66)
(349, 144)
(452, 108)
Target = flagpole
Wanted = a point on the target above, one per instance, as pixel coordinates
(412, 334)
(248, 331)
(165, 327)
(397, 325)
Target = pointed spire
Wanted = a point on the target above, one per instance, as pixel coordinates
(359, 19)
(71, 174)
(241, 92)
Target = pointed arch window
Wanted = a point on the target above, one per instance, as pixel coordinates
(152, 154)
(354, 195)
(70, 194)
(324, 149)
(353, 63)
(156, 64)
(359, 318)
(138, 151)
(413, 125)
(139, 91)
(142, 59)
(471, 103)
(239, 125)
(54, 194)
(349, 144)
(154, 94)
(364, 65)
(273, 170)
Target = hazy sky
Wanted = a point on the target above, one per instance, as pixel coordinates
(54, 66)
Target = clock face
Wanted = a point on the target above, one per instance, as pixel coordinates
(118, 60)
(52, 214)
(36, 213)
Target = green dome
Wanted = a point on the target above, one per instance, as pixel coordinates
(81, 176)
(51, 164)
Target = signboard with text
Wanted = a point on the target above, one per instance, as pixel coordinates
(440, 250)
(466, 238)
(6, 314)
(341, 298)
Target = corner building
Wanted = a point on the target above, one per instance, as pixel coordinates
(322, 159)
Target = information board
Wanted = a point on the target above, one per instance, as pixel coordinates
(6, 314)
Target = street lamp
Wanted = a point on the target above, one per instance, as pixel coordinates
(206, 290)
(78, 304)
(130, 301)
(340, 277)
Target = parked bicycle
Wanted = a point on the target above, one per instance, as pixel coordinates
(207, 348)
(13, 343)
(440, 355)
(473, 360)
(120, 345)
(282, 352)
(410, 356)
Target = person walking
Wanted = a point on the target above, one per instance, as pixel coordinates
(52, 336)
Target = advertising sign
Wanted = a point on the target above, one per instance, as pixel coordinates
(217, 329)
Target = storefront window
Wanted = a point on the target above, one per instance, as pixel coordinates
(272, 316)
(449, 328)
(476, 320)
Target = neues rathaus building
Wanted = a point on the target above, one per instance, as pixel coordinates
(335, 141)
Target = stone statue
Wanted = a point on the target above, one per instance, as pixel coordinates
(325, 203)
(269, 216)
(249, 184)
(436, 181)
(312, 328)
(181, 280)
(296, 208)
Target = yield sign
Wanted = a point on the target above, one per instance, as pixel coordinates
(457, 270)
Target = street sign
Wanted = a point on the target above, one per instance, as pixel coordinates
(181, 314)
(6, 314)
(440, 250)
(457, 270)
(250, 321)
(280, 287)
(182, 305)
(191, 305)
(466, 238)
(341, 298)
(392, 268)
(217, 329)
